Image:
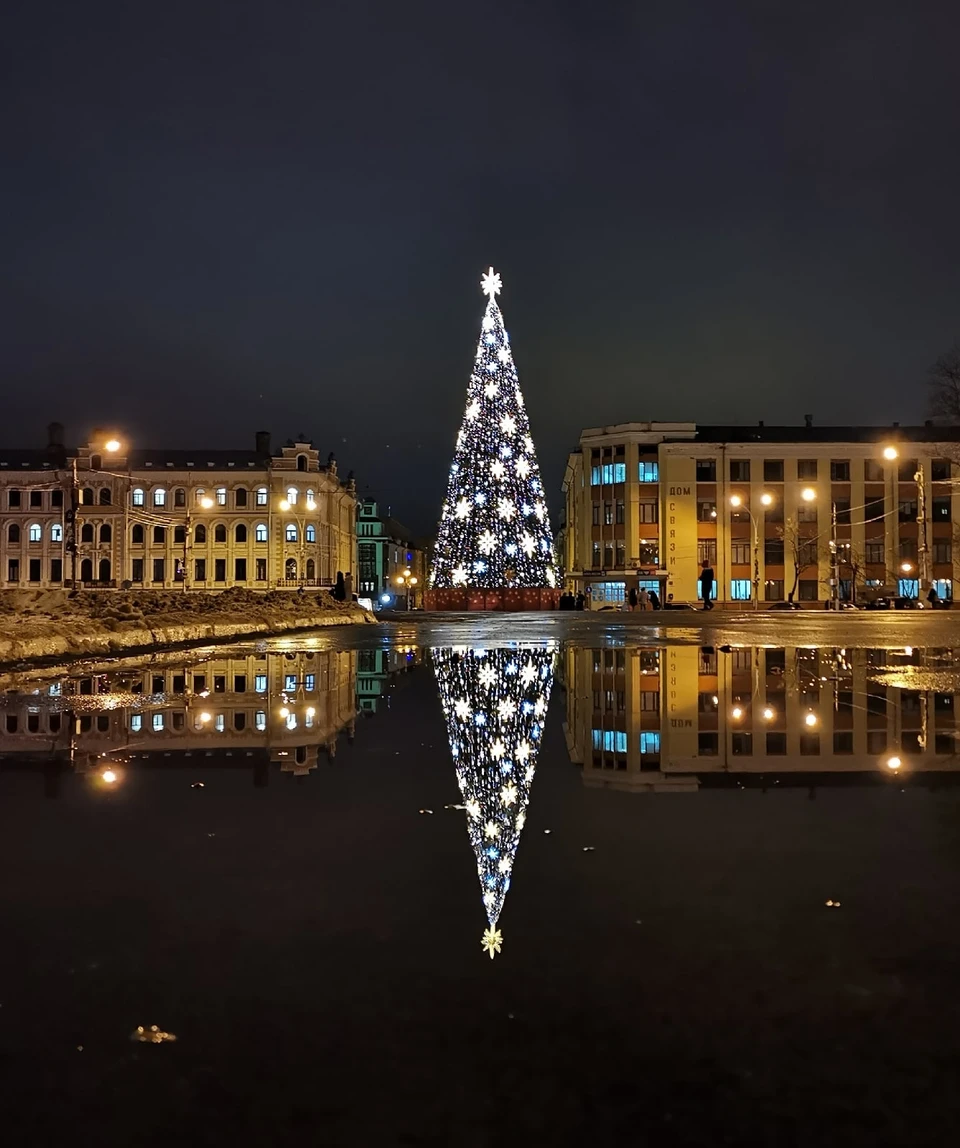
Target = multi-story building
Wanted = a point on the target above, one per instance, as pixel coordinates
(808, 513)
(391, 562)
(681, 717)
(164, 518)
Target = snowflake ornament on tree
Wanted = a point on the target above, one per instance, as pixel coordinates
(495, 759)
(494, 502)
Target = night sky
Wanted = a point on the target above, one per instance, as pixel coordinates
(218, 217)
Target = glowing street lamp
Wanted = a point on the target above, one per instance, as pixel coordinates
(736, 713)
(112, 445)
(894, 762)
(769, 713)
(810, 720)
(890, 453)
(736, 501)
(808, 494)
(905, 567)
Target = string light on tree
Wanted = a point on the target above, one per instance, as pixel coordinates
(494, 703)
(494, 506)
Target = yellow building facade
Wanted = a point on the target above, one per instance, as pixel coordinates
(777, 512)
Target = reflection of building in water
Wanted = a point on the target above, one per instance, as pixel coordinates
(375, 668)
(281, 707)
(677, 717)
(495, 703)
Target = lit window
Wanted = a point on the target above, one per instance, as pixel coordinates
(36, 532)
(291, 495)
(261, 496)
(56, 532)
(291, 721)
(221, 496)
(260, 683)
(291, 532)
(608, 474)
(649, 472)
(260, 532)
(311, 533)
(260, 721)
(607, 592)
(740, 589)
(137, 497)
(309, 682)
(136, 723)
(649, 742)
(308, 720)
(290, 683)
(218, 723)
(610, 740)
(159, 498)
(157, 722)
(908, 587)
(944, 588)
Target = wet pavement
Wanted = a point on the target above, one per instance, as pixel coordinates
(467, 881)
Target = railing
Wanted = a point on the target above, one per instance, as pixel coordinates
(295, 583)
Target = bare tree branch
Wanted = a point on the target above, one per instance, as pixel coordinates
(943, 379)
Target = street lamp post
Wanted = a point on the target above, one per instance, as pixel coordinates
(285, 506)
(207, 504)
(737, 502)
(111, 446)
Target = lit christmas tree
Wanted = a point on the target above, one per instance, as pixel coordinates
(495, 703)
(494, 527)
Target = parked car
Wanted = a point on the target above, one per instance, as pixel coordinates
(785, 606)
(892, 602)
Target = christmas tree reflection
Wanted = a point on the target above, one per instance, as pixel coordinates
(495, 704)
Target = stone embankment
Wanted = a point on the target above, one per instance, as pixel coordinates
(44, 624)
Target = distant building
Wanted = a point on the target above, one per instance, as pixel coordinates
(808, 511)
(164, 518)
(391, 561)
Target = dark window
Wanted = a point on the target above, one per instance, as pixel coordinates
(199, 683)
(13, 498)
(239, 683)
(240, 494)
(941, 509)
(240, 569)
(11, 723)
(179, 497)
(776, 744)
(180, 534)
(706, 510)
(86, 496)
(706, 470)
(56, 498)
(200, 533)
(36, 498)
(807, 468)
(261, 569)
(940, 470)
(301, 462)
(774, 513)
(106, 533)
(104, 495)
(159, 569)
(944, 743)
(159, 534)
(220, 570)
(86, 532)
(56, 569)
(136, 570)
(840, 470)
(219, 683)
(707, 744)
(739, 470)
(943, 703)
(773, 470)
(742, 744)
(807, 590)
(158, 685)
(876, 740)
(773, 590)
(873, 509)
(239, 720)
(13, 570)
(200, 570)
(877, 700)
(136, 534)
(219, 533)
(810, 744)
(908, 510)
(843, 511)
(33, 573)
(240, 532)
(843, 741)
(13, 532)
(907, 469)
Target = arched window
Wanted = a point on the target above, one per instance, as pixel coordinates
(311, 569)
(292, 495)
(200, 533)
(35, 533)
(13, 532)
(104, 570)
(86, 533)
(86, 570)
(311, 500)
(240, 534)
(105, 496)
(136, 535)
(290, 568)
(179, 497)
(240, 496)
(180, 534)
(261, 532)
(160, 534)
(311, 533)
(106, 533)
(136, 496)
(96, 461)
(86, 496)
(261, 496)
(301, 462)
(56, 532)
(200, 495)
(221, 496)
(160, 497)
(291, 532)
(219, 533)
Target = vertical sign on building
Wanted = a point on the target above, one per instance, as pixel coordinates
(679, 517)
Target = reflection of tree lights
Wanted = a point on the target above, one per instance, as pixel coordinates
(736, 713)
(894, 762)
(494, 702)
(109, 776)
(768, 713)
(205, 716)
(810, 719)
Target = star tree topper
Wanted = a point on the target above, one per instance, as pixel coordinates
(491, 283)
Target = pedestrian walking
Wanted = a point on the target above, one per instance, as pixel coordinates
(654, 600)
(933, 598)
(706, 585)
(632, 599)
(580, 600)
(643, 599)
